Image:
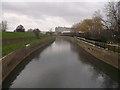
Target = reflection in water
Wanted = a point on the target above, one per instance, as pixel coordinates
(62, 65)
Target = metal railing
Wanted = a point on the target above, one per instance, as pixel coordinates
(112, 47)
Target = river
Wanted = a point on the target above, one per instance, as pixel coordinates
(61, 65)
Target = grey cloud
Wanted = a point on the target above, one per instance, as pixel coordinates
(70, 11)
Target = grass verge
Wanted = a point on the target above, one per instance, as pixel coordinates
(7, 48)
(13, 35)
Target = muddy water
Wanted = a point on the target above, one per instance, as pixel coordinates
(62, 65)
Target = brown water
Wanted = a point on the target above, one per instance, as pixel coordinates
(62, 65)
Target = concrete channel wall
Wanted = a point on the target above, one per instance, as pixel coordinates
(109, 57)
(10, 61)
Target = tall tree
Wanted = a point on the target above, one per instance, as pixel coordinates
(86, 25)
(119, 16)
(20, 28)
(113, 19)
(0, 27)
(97, 20)
(112, 15)
(76, 27)
(97, 24)
(4, 25)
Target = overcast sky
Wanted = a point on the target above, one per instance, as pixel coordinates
(46, 15)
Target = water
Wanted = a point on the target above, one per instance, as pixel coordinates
(61, 65)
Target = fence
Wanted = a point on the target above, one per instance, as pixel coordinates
(111, 47)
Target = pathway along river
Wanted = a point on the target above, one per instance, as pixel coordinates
(62, 65)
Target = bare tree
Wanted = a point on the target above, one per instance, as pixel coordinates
(112, 15)
(119, 15)
(97, 21)
(4, 25)
(97, 25)
(0, 27)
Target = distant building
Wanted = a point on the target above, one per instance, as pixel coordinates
(50, 33)
(68, 31)
(61, 30)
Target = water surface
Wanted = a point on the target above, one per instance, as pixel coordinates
(61, 65)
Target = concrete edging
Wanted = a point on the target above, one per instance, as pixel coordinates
(109, 57)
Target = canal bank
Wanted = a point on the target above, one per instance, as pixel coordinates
(107, 56)
(10, 61)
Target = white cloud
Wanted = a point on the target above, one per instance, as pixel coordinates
(28, 22)
(46, 15)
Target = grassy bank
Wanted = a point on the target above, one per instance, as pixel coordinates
(7, 48)
(11, 35)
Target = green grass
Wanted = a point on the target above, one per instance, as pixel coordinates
(12, 35)
(7, 48)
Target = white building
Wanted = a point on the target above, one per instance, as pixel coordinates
(60, 30)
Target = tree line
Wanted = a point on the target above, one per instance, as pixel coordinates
(99, 28)
(19, 28)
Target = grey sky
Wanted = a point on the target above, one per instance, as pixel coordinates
(46, 15)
